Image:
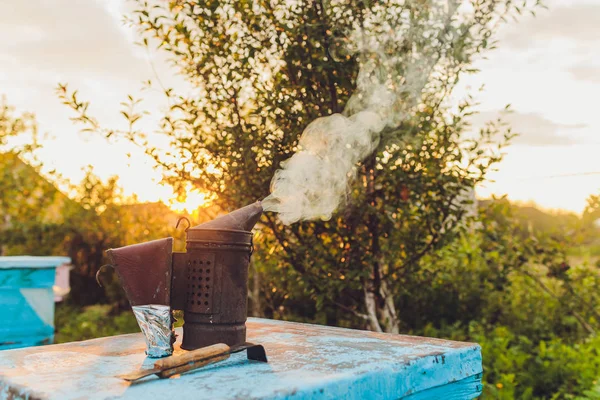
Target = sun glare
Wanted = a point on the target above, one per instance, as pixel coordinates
(192, 201)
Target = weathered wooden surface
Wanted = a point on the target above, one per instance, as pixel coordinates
(27, 300)
(305, 362)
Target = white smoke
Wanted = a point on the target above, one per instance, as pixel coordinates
(314, 181)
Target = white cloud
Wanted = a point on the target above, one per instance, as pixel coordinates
(586, 72)
(545, 67)
(534, 129)
(65, 36)
(577, 21)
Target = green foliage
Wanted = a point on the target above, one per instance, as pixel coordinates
(498, 286)
(16, 125)
(76, 323)
(29, 204)
(517, 367)
(25, 195)
(592, 394)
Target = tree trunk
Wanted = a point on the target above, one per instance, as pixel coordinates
(372, 285)
(388, 312)
(371, 306)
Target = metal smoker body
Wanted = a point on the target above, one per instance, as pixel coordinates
(209, 282)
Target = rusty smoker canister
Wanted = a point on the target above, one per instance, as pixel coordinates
(216, 280)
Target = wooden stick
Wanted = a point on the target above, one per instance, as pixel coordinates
(192, 356)
(191, 365)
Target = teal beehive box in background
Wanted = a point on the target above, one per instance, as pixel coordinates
(27, 300)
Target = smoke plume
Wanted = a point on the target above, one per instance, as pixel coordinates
(393, 73)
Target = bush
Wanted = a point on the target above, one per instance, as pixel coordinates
(521, 368)
(81, 323)
(534, 314)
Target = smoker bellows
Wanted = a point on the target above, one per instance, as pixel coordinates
(209, 283)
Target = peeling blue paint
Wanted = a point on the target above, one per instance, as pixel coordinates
(27, 300)
(33, 261)
(305, 362)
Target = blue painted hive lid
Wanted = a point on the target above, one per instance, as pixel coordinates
(33, 261)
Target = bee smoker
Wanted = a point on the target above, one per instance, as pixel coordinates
(209, 282)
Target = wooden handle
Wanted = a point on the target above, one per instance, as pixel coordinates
(192, 356)
(191, 365)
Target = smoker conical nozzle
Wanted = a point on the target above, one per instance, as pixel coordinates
(242, 219)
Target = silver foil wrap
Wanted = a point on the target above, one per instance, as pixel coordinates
(156, 325)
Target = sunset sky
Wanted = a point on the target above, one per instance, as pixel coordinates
(547, 67)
